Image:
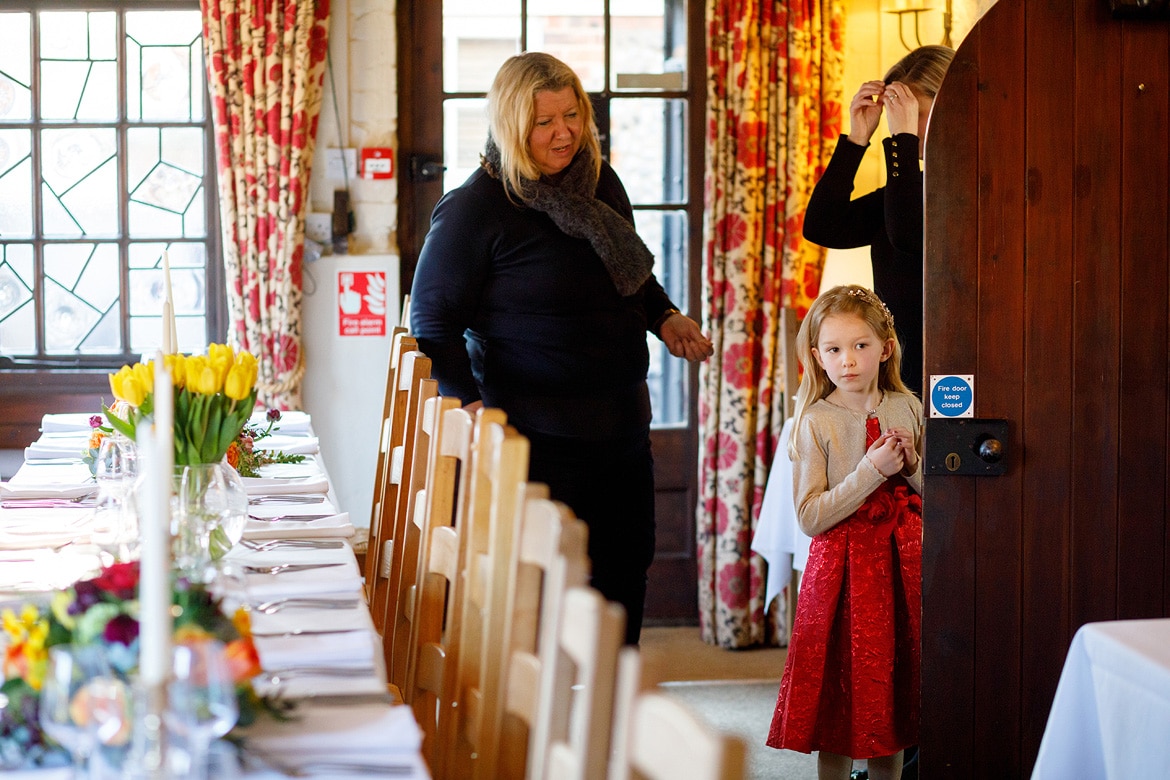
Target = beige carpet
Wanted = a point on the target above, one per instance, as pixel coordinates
(733, 690)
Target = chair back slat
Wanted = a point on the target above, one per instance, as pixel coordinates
(590, 637)
(404, 565)
(552, 557)
(657, 737)
(391, 433)
(437, 631)
(413, 368)
(487, 571)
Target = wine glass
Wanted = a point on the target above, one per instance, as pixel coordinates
(115, 515)
(201, 700)
(74, 680)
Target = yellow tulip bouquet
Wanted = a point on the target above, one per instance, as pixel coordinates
(214, 397)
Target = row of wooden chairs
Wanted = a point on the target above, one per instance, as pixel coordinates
(513, 665)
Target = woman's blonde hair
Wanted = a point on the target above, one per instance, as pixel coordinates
(922, 69)
(512, 113)
(845, 299)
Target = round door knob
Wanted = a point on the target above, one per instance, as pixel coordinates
(990, 449)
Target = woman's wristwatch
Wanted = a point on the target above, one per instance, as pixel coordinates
(656, 328)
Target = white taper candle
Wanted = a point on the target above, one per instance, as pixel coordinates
(170, 343)
(156, 454)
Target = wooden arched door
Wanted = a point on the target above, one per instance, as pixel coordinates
(1047, 254)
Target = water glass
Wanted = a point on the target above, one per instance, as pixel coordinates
(76, 688)
(201, 701)
(115, 515)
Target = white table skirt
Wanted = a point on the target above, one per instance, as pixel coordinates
(1110, 717)
(778, 538)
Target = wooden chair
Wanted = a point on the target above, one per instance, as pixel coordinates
(413, 367)
(400, 559)
(656, 737)
(552, 558)
(436, 629)
(469, 727)
(399, 342)
(591, 634)
(404, 318)
(432, 492)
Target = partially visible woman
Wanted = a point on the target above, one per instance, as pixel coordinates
(533, 294)
(888, 219)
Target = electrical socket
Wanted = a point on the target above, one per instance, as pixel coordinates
(340, 163)
(319, 226)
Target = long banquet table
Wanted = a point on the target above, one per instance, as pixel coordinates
(1110, 717)
(327, 658)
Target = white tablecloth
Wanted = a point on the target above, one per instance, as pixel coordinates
(1111, 714)
(308, 643)
(778, 538)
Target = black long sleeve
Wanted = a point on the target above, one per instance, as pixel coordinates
(889, 220)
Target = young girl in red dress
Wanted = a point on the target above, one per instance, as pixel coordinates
(851, 681)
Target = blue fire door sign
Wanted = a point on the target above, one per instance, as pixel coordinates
(952, 395)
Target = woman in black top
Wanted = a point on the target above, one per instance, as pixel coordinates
(533, 294)
(888, 219)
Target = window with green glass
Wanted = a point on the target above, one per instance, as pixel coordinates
(106, 167)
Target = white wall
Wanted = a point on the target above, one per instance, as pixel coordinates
(345, 379)
(345, 383)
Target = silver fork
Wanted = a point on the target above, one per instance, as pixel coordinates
(292, 544)
(279, 567)
(312, 767)
(281, 675)
(304, 518)
(305, 602)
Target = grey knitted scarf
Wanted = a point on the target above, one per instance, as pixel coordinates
(573, 207)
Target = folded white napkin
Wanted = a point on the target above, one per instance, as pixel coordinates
(354, 732)
(39, 570)
(291, 423)
(290, 445)
(242, 556)
(65, 444)
(37, 541)
(343, 580)
(327, 619)
(23, 487)
(307, 685)
(49, 480)
(69, 421)
(347, 649)
(335, 526)
(283, 478)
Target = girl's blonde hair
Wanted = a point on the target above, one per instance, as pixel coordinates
(922, 69)
(512, 113)
(846, 299)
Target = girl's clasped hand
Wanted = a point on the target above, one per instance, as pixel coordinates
(894, 453)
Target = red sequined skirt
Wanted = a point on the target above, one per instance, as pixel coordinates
(852, 678)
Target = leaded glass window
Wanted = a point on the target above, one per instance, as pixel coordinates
(105, 165)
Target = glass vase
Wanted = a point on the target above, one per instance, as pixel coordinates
(209, 512)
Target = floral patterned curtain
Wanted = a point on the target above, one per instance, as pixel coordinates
(773, 115)
(265, 66)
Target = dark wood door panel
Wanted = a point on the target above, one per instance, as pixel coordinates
(1143, 546)
(671, 595)
(1048, 277)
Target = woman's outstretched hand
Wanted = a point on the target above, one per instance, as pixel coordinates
(683, 337)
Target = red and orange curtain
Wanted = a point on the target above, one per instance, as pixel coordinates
(265, 67)
(773, 116)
